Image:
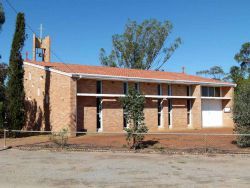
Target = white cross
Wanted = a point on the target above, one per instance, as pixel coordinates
(41, 31)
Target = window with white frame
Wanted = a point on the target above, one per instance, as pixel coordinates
(169, 90)
(125, 88)
(98, 113)
(137, 87)
(170, 108)
(159, 89)
(189, 90)
(99, 105)
(125, 120)
(159, 112)
(98, 87)
(189, 107)
(159, 106)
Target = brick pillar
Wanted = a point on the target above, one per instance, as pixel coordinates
(227, 103)
(73, 107)
(196, 109)
(165, 114)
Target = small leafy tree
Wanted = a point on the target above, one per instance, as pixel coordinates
(141, 46)
(133, 105)
(241, 113)
(215, 72)
(15, 89)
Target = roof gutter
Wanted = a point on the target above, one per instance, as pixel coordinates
(151, 80)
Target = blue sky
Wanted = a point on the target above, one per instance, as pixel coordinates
(212, 30)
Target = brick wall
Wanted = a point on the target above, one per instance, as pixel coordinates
(62, 102)
(149, 88)
(86, 86)
(112, 115)
(112, 87)
(86, 110)
(34, 87)
(227, 116)
(179, 113)
(179, 90)
(227, 91)
(150, 113)
(52, 97)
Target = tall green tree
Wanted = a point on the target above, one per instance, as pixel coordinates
(15, 88)
(133, 105)
(215, 72)
(236, 74)
(243, 58)
(241, 113)
(241, 110)
(2, 15)
(141, 46)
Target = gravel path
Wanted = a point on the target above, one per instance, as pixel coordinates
(97, 169)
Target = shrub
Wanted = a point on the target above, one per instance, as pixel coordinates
(60, 138)
(136, 138)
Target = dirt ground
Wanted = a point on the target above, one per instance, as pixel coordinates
(172, 142)
(107, 169)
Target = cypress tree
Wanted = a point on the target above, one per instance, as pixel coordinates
(15, 89)
(3, 68)
(2, 15)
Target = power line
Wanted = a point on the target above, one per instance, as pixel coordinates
(33, 31)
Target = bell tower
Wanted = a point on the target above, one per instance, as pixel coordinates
(41, 47)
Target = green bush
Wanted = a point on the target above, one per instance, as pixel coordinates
(241, 113)
(60, 138)
(137, 138)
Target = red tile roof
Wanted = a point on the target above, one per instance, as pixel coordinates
(125, 72)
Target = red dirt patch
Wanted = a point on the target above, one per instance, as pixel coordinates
(200, 141)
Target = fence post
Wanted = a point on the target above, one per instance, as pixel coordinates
(4, 137)
(205, 143)
(62, 142)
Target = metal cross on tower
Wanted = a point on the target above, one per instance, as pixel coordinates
(41, 46)
(41, 31)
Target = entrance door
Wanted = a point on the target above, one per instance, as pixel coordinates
(211, 113)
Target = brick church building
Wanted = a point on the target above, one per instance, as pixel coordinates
(86, 98)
